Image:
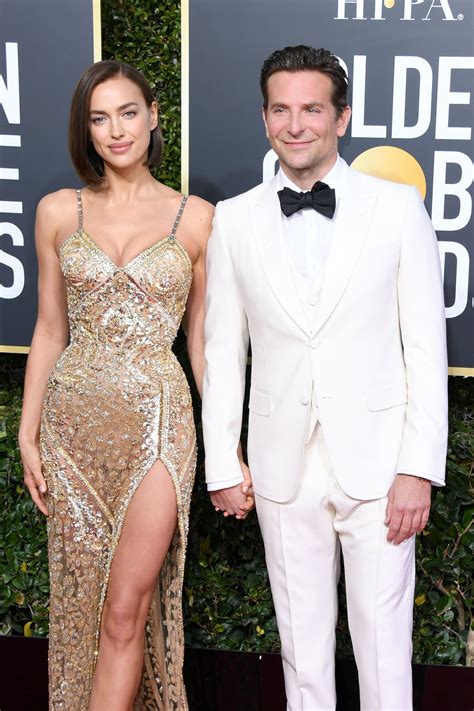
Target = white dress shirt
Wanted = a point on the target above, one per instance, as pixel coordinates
(308, 237)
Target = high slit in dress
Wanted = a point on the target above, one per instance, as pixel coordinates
(117, 401)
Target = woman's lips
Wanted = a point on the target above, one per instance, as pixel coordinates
(120, 147)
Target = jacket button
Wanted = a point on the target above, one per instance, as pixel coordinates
(304, 399)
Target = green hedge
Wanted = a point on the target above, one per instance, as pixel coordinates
(147, 35)
(227, 598)
(23, 556)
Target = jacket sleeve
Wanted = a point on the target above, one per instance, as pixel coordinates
(226, 348)
(423, 333)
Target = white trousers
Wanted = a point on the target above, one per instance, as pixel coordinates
(302, 548)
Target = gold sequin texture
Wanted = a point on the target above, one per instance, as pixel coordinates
(117, 401)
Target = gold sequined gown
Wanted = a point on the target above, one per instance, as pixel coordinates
(116, 402)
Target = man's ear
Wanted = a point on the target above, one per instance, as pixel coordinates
(264, 116)
(343, 121)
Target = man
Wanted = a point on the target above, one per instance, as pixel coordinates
(335, 277)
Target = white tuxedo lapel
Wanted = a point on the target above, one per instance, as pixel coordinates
(351, 229)
(268, 233)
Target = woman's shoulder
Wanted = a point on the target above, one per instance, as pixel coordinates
(200, 205)
(202, 209)
(197, 210)
(198, 219)
(57, 204)
(57, 215)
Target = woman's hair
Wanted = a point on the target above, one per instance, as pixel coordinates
(88, 164)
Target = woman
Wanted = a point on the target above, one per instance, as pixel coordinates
(107, 438)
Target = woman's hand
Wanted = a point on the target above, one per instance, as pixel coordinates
(33, 476)
(247, 489)
(237, 500)
(50, 336)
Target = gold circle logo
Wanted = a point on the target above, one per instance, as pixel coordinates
(392, 163)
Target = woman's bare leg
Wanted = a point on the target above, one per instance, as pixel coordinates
(148, 530)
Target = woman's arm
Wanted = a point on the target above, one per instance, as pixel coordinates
(49, 340)
(200, 221)
(195, 316)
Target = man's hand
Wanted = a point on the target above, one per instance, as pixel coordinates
(408, 507)
(231, 501)
(237, 500)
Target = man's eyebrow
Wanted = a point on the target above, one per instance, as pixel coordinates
(308, 105)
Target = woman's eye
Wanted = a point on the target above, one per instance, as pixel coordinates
(129, 114)
(98, 120)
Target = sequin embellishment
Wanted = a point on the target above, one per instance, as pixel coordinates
(116, 402)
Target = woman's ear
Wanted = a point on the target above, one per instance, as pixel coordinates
(153, 115)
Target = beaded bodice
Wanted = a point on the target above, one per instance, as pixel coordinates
(130, 306)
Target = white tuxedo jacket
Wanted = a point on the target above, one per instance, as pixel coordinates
(376, 356)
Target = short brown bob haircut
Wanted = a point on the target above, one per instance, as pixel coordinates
(88, 164)
(301, 59)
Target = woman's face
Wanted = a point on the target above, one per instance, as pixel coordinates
(120, 123)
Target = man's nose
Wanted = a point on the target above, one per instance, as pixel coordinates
(295, 126)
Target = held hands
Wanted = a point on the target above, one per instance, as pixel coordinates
(238, 500)
(408, 507)
(33, 476)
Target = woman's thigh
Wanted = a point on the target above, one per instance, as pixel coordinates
(146, 536)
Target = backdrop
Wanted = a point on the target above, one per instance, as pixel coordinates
(44, 47)
(410, 66)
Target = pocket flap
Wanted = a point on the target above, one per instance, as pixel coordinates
(260, 402)
(386, 396)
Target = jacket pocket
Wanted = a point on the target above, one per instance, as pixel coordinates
(260, 402)
(383, 397)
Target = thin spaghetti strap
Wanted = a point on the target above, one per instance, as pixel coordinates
(178, 216)
(79, 209)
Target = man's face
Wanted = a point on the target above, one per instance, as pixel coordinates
(302, 124)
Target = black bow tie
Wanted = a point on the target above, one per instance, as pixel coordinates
(321, 198)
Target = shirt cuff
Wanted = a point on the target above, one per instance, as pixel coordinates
(421, 476)
(227, 484)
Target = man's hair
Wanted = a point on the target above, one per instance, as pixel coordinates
(88, 164)
(302, 59)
